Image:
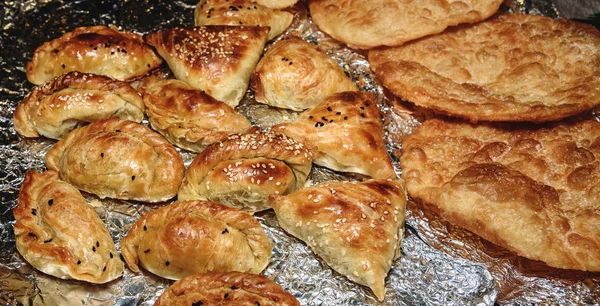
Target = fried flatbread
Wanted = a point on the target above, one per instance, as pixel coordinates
(533, 191)
(510, 68)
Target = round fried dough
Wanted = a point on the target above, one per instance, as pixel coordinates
(511, 68)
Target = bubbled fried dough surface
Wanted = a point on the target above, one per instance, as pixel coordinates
(226, 288)
(533, 191)
(367, 24)
(189, 237)
(509, 68)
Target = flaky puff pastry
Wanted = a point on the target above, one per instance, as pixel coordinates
(245, 169)
(54, 109)
(189, 237)
(345, 134)
(355, 227)
(187, 117)
(216, 59)
(295, 74)
(226, 288)
(118, 159)
(59, 234)
(534, 191)
(97, 50)
(242, 12)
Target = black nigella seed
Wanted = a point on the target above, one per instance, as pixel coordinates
(345, 117)
(91, 45)
(118, 131)
(198, 303)
(291, 63)
(112, 53)
(367, 104)
(239, 6)
(319, 124)
(240, 22)
(94, 248)
(362, 107)
(48, 241)
(133, 177)
(111, 255)
(50, 202)
(167, 263)
(148, 65)
(34, 211)
(338, 113)
(331, 121)
(362, 115)
(146, 251)
(63, 65)
(102, 155)
(329, 108)
(104, 269)
(55, 50)
(79, 262)
(233, 8)
(310, 117)
(225, 231)
(226, 295)
(95, 48)
(97, 243)
(145, 228)
(31, 235)
(233, 287)
(323, 118)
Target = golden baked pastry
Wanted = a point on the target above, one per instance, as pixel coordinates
(241, 12)
(243, 170)
(118, 159)
(297, 75)
(216, 59)
(57, 107)
(187, 117)
(510, 68)
(345, 134)
(355, 228)
(534, 191)
(367, 24)
(189, 237)
(97, 50)
(59, 234)
(226, 288)
(276, 4)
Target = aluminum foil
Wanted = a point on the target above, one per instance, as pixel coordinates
(440, 264)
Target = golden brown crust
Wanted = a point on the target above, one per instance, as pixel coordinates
(59, 234)
(509, 68)
(355, 227)
(345, 133)
(55, 108)
(242, 12)
(367, 24)
(187, 117)
(244, 170)
(532, 191)
(276, 4)
(216, 59)
(118, 159)
(297, 75)
(97, 50)
(226, 288)
(189, 237)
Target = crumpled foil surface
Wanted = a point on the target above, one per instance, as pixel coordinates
(441, 264)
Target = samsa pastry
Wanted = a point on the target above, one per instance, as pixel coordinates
(345, 133)
(276, 4)
(118, 159)
(242, 12)
(243, 170)
(509, 68)
(237, 288)
(189, 237)
(367, 24)
(216, 59)
(54, 109)
(355, 228)
(534, 191)
(187, 117)
(97, 50)
(60, 235)
(295, 74)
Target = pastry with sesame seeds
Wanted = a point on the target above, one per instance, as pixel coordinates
(297, 75)
(242, 12)
(345, 133)
(119, 159)
(189, 237)
(187, 117)
(96, 49)
(60, 235)
(58, 106)
(356, 228)
(243, 170)
(216, 59)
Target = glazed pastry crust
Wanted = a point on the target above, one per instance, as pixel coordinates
(509, 68)
(55, 108)
(216, 59)
(534, 191)
(242, 12)
(345, 134)
(189, 237)
(245, 169)
(187, 117)
(60, 235)
(355, 227)
(367, 24)
(221, 288)
(276, 4)
(295, 74)
(97, 50)
(118, 159)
